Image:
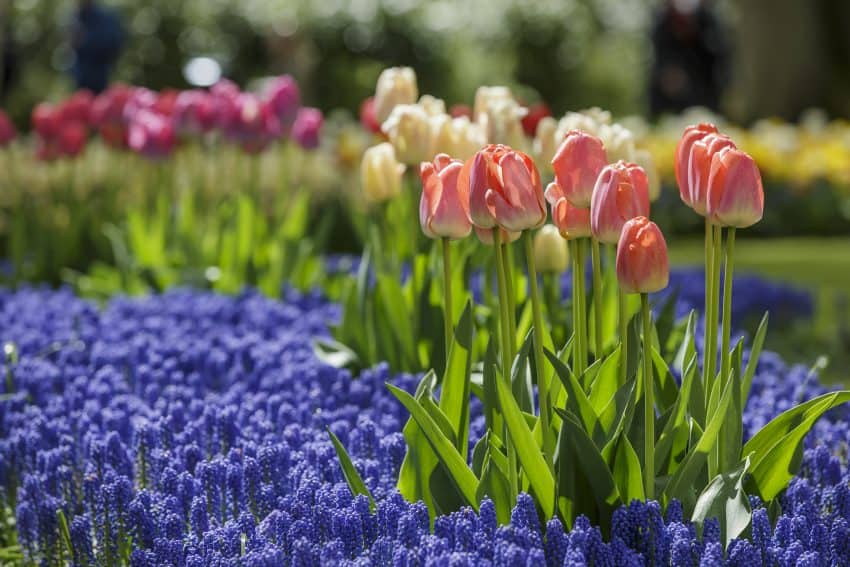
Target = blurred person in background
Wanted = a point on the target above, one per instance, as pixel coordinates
(97, 38)
(690, 65)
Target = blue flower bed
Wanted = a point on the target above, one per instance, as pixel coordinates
(189, 429)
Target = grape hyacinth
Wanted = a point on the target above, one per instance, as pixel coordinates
(188, 429)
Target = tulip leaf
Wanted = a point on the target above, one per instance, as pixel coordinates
(455, 464)
(752, 363)
(495, 484)
(577, 401)
(604, 386)
(725, 499)
(352, 477)
(677, 418)
(776, 450)
(454, 392)
(665, 385)
(521, 376)
(627, 471)
(528, 451)
(491, 396)
(398, 316)
(420, 460)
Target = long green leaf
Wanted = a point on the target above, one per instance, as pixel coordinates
(454, 393)
(528, 451)
(627, 471)
(724, 498)
(352, 477)
(577, 401)
(456, 465)
(755, 352)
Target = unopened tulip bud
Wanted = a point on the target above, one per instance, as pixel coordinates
(577, 164)
(644, 159)
(551, 253)
(396, 85)
(572, 222)
(699, 167)
(735, 193)
(504, 189)
(444, 206)
(642, 264)
(380, 173)
(409, 131)
(621, 194)
(681, 165)
(307, 127)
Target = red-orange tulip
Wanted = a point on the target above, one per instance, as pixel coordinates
(572, 221)
(699, 167)
(444, 206)
(504, 189)
(642, 264)
(621, 194)
(577, 164)
(691, 135)
(735, 192)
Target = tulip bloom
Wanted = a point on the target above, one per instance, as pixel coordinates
(307, 127)
(551, 253)
(699, 167)
(283, 98)
(367, 116)
(7, 129)
(396, 85)
(72, 138)
(46, 120)
(642, 264)
(457, 137)
(681, 165)
(444, 206)
(621, 194)
(577, 164)
(380, 173)
(409, 131)
(194, 113)
(504, 189)
(151, 135)
(536, 113)
(735, 193)
(572, 222)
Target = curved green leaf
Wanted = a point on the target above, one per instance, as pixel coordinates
(352, 477)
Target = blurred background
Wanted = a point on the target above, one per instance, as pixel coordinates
(748, 58)
(774, 73)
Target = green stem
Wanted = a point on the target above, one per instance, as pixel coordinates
(447, 285)
(582, 304)
(597, 296)
(649, 400)
(711, 353)
(623, 308)
(709, 294)
(506, 356)
(507, 260)
(542, 386)
(725, 355)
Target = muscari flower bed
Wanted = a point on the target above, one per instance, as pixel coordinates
(190, 429)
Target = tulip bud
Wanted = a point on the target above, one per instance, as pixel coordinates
(735, 193)
(577, 164)
(619, 142)
(504, 189)
(572, 222)
(150, 134)
(699, 167)
(367, 116)
(545, 142)
(284, 98)
(307, 127)
(444, 206)
(500, 115)
(457, 137)
(621, 194)
(644, 159)
(380, 173)
(642, 264)
(551, 253)
(532, 119)
(681, 165)
(45, 120)
(409, 131)
(432, 105)
(485, 96)
(72, 138)
(396, 85)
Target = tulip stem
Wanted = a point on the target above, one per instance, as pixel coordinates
(579, 313)
(447, 284)
(542, 386)
(649, 400)
(506, 357)
(710, 355)
(623, 321)
(708, 306)
(507, 260)
(725, 355)
(597, 297)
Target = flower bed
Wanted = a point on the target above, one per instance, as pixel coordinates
(189, 429)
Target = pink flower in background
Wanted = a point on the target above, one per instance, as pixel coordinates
(253, 125)
(72, 138)
(367, 116)
(536, 113)
(194, 113)
(150, 134)
(77, 108)
(7, 129)
(621, 194)
(307, 127)
(107, 115)
(46, 120)
(577, 163)
(284, 99)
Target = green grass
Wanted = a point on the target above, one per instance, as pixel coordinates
(821, 265)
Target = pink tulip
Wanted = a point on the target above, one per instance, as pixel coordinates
(504, 189)
(194, 113)
(151, 135)
(572, 221)
(735, 193)
(621, 194)
(284, 99)
(77, 108)
(72, 138)
(367, 116)
(7, 130)
(46, 120)
(485, 235)
(307, 127)
(254, 126)
(691, 134)
(699, 167)
(642, 264)
(577, 164)
(444, 206)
